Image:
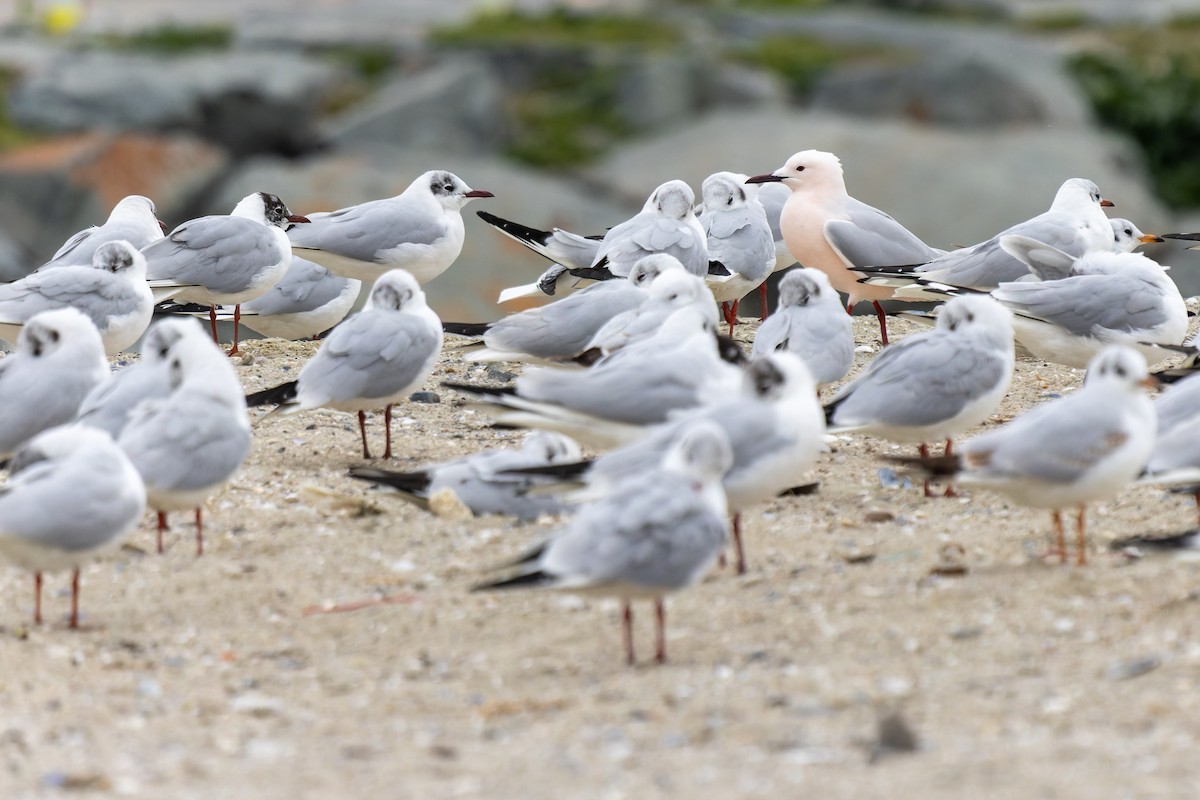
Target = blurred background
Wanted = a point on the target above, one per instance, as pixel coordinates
(958, 117)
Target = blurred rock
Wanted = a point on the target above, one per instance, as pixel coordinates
(52, 189)
(489, 261)
(951, 187)
(658, 89)
(942, 91)
(455, 106)
(738, 86)
(247, 102)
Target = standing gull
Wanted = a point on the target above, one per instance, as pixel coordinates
(419, 230)
(934, 385)
(741, 248)
(374, 359)
(1075, 224)
(187, 445)
(656, 532)
(811, 323)
(59, 358)
(1079, 449)
(71, 492)
(132, 220)
(109, 405)
(228, 259)
(824, 227)
(112, 292)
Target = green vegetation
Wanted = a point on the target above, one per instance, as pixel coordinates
(569, 117)
(11, 136)
(566, 113)
(1055, 21)
(1148, 87)
(171, 39)
(801, 60)
(559, 26)
(366, 61)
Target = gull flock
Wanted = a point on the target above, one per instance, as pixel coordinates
(652, 430)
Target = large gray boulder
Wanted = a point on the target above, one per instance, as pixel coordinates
(489, 261)
(944, 90)
(247, 102)
(455, 106)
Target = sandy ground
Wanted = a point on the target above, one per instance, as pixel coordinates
(233, 676)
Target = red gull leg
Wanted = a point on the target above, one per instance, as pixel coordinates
(162, 526)
(660, 639)
(1080, 539)
(237, 317)
(733, 309)
(199, 534)
(37, 598)
(762, 301)
(362, 426)
(1060, 538)
(879, 312)
(212, 321)
(74, 623)
(737, 545)
(923, 449)
(387, 431)
(850, 308)
(627, 616)
(950, 492)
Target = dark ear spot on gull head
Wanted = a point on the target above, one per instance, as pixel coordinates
(765, 375)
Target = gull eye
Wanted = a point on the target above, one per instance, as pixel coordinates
(53, 335)
(1120, 371)
(970, 317)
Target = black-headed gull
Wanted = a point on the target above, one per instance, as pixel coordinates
(1071, 451)
(59, 359)
(419, 230)
(133, 220)
(228, 259)
(656, 532)
(934, 385)
(484, 481)
(374, 359)
(188, 444)
(666, 224)
(71, 493)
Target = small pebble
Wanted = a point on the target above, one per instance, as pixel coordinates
(425, 397)
(1128, 668)
(496, 374)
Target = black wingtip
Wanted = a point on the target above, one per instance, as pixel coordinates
(1187, 540)
(276, 395)
(572, 470)
(466, 328)
(525, 580)
(516, 230)
(717, 268)
(933, 466)
(480, 391)
(412, 482)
